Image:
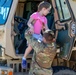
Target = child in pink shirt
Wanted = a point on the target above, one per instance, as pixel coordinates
(39, 21)
(36, 23)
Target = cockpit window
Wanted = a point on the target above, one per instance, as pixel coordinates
(63, 10)
(5, 6)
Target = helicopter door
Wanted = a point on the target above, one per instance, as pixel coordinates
(65, 23)
(7, 11)
(5, 6)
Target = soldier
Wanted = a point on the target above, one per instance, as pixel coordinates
(44, 53)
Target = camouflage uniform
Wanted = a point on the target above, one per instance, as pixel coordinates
(37, 46)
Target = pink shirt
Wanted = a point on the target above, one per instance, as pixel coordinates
(40, 20)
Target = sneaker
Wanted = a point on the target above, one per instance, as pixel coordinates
(24, 63)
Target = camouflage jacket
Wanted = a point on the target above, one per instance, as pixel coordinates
(35, 69)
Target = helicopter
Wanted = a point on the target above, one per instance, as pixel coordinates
(14, 15)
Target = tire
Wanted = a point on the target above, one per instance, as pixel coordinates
(62, 70)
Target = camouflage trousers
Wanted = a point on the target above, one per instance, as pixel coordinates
(35, 69)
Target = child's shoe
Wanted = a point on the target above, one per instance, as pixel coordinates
(24, 63)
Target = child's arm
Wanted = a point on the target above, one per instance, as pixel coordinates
(46, 27)
(30, 25)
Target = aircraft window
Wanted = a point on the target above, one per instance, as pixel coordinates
(63, 10)
(5, 6)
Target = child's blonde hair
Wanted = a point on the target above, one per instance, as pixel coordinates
(44, 4)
